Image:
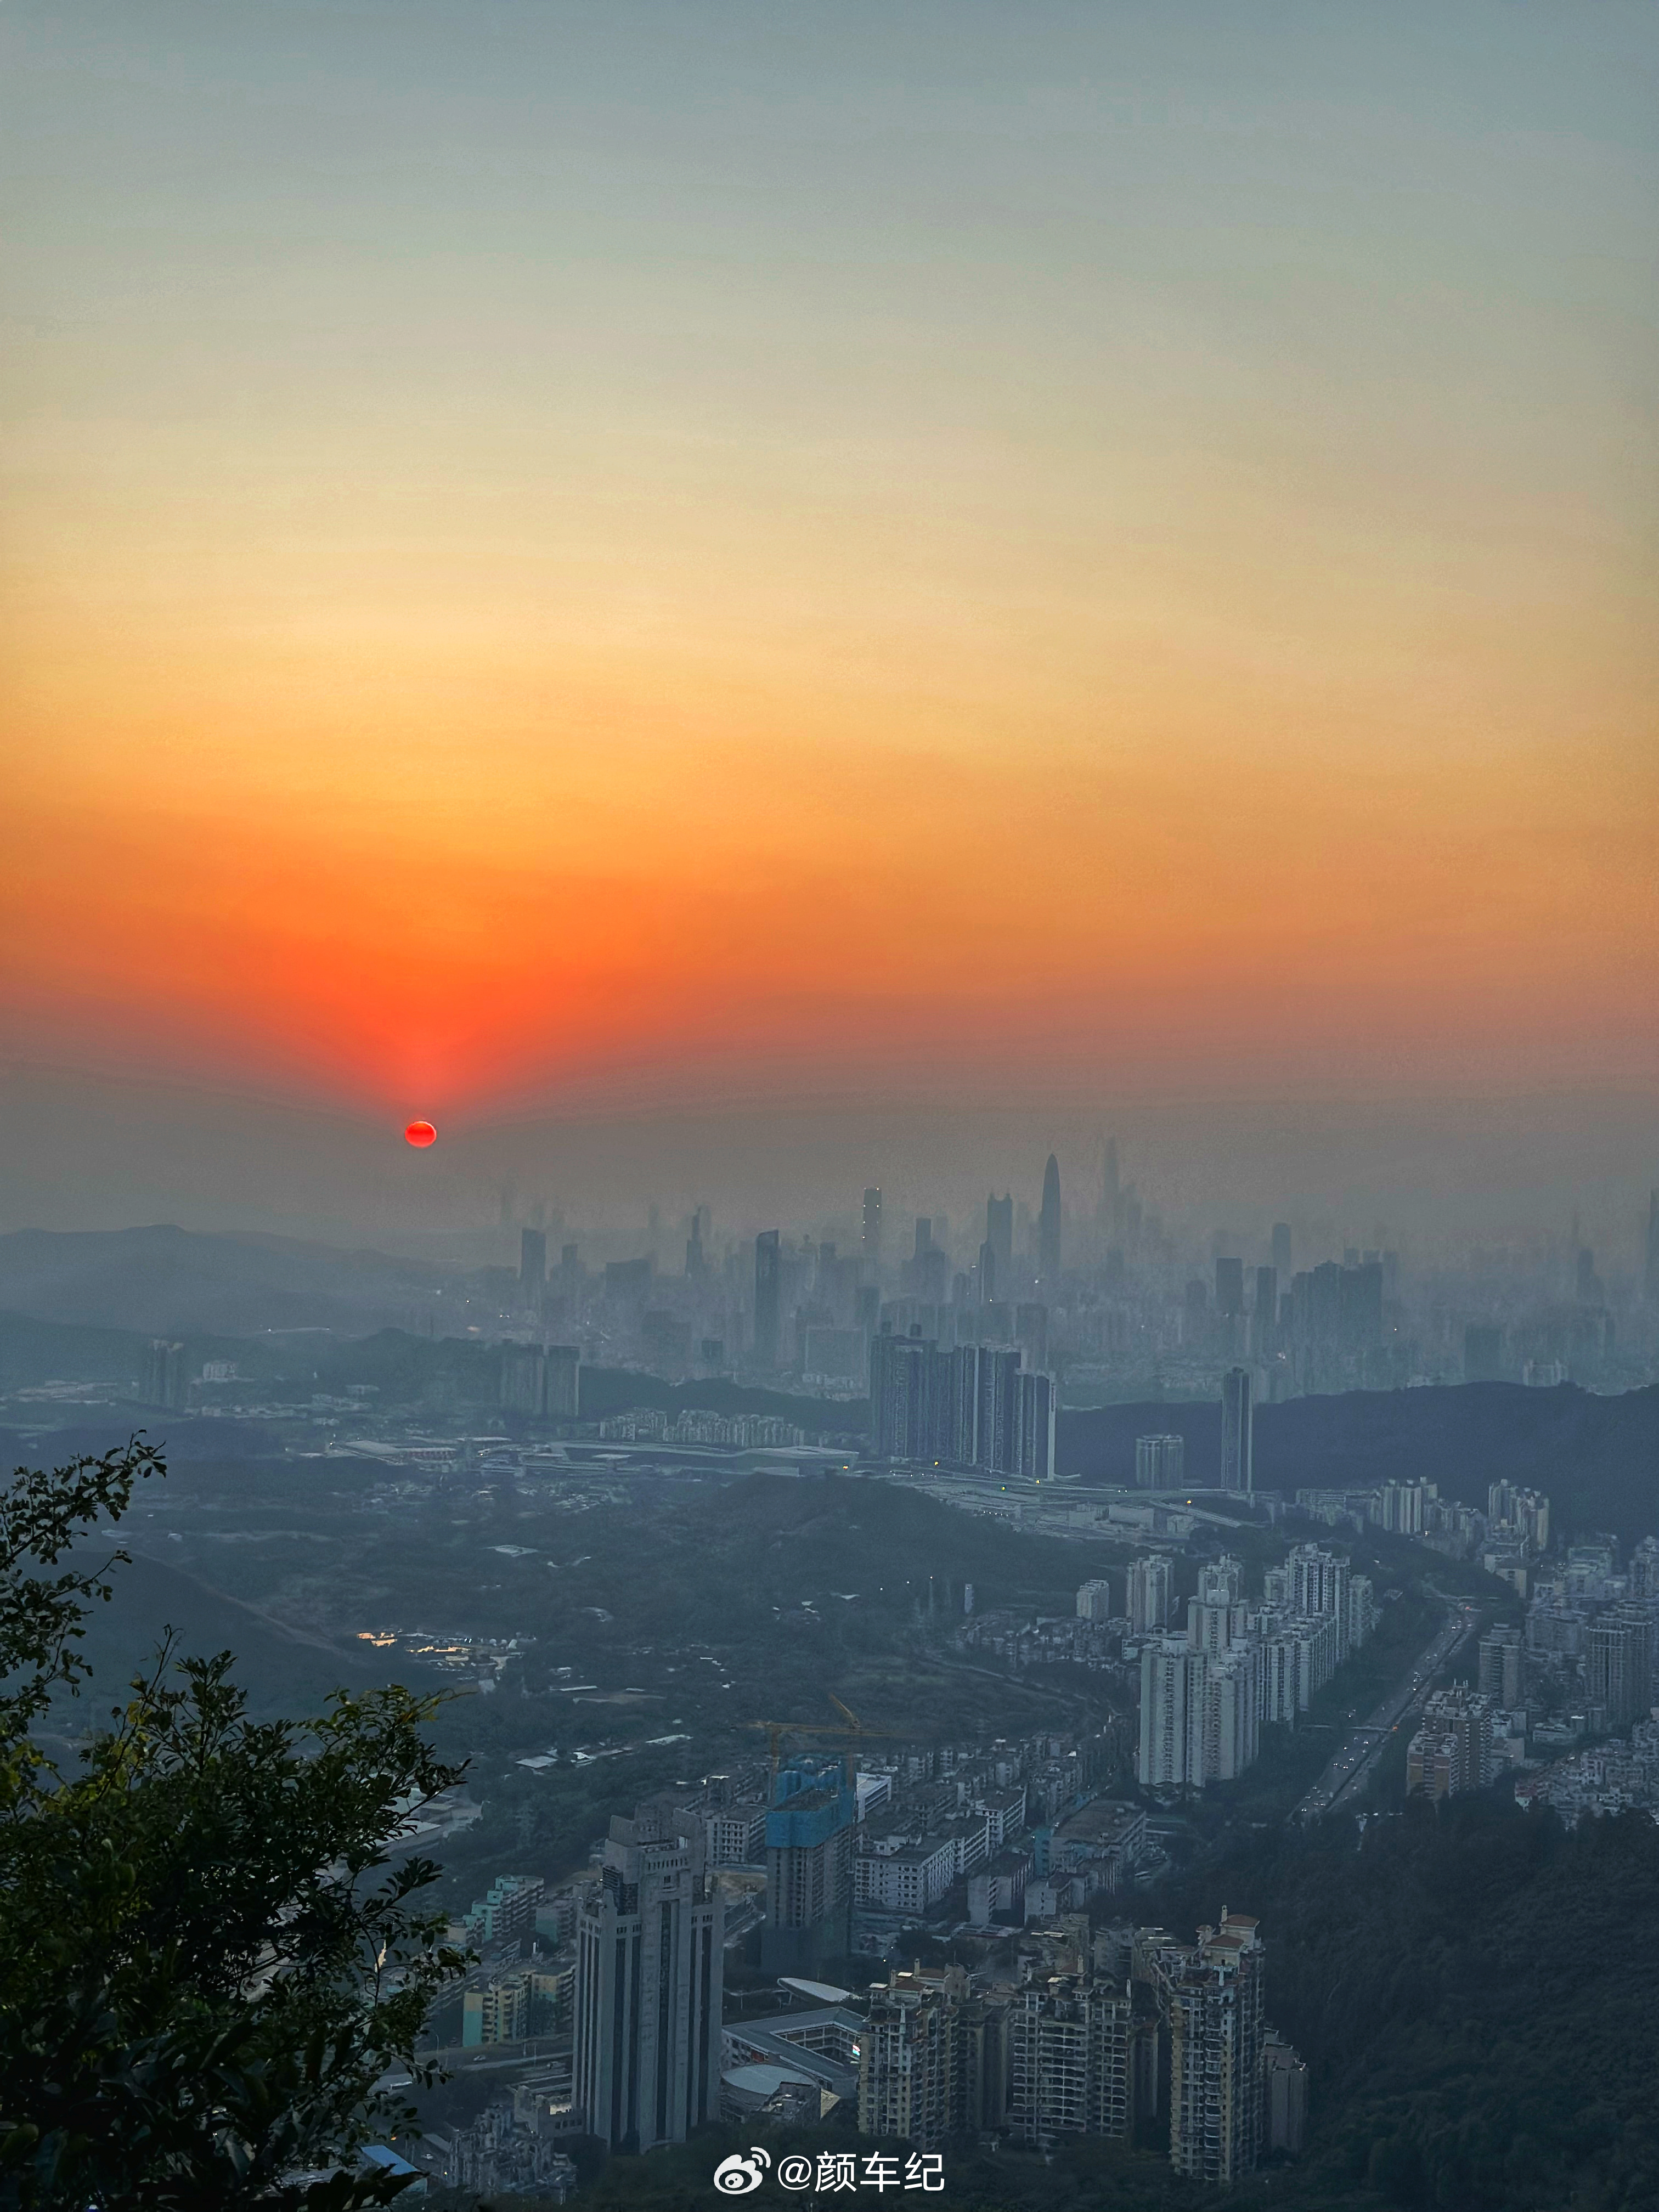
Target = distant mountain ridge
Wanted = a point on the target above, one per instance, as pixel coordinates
(167, 1281)
(1597, 1458)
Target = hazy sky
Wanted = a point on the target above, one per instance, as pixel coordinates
(828, 561)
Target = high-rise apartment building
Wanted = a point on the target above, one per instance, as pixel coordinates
(1237, 1464)
(1502, 1671)
(1034, 1422)
(1217, 2094)
(1319, 1584)
(165, 1379)
(1149, 1592)
(562, 1382)
(1094, 1601)
(1071, 2062)
(1618, 1663)
(809, 1869)
(650, 1938)
(769, 1300)
(1160, 1462)
(907, 2064)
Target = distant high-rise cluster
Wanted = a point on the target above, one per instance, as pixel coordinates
(1160, 1462)
(974, 1406)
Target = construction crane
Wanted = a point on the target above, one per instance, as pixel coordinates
(849, 1725)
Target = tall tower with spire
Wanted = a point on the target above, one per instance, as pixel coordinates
(1049, 1230)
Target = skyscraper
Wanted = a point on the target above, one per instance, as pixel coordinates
(532, 1263)
(768, 1296)
(1000, 1235)
(1229, 1288)
(1237, 1470)
(650, 1936)
(1049, 1249)
(873, 1225)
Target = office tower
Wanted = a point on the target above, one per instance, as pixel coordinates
(1071, 2062)
(1149, 1592)
(1215, 2097)
(809, 1869)
(166, 1378)
(1048, 1240)
(650, 1947)
(1094, 1601)
(562, 1382)
(1229, 1288)
(696, 1259)
(1000, 1235)
(1651, 1269)
(1237, 1470)
(1034, 1422)
(769, 1293)
(1281, 1250)
(1160, 1462)
(1502, 1667)
(987, 1273)
(1264, 1315)
(873, 1225)
(532, 1263)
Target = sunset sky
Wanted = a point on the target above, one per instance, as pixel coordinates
(715, 558)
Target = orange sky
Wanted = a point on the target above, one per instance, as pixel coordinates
(476, 633)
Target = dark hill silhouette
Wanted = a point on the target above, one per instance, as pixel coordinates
(1597, 1458)
(167, 1281)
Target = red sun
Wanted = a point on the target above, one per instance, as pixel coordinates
(421, 1134)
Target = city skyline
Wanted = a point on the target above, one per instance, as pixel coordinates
(603, 575)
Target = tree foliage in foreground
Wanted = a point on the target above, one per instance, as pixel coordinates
(207, 1958)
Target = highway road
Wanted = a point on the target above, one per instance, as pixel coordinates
(1367, 1738)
